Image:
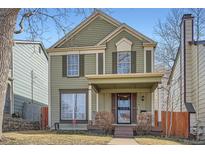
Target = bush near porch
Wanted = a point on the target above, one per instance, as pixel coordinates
(103, 121)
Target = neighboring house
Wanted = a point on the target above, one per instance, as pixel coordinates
(187, 79)
(28, 80)
(101, 65)
(161, 92)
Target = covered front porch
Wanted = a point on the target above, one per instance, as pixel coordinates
(125, 96)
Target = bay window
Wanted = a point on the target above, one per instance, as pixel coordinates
(73, 106)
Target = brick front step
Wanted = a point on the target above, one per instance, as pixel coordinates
(123, 131)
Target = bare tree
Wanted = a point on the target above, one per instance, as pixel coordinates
(34, 22)
(7, 26)
(168, 32)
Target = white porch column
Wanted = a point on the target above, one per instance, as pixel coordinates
(97, 101)
(161, 98)
(152, 100)
(90, 102)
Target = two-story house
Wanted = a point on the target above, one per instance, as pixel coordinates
(186, 82)
(27, 89)
(101, 65)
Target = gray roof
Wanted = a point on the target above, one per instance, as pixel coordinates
(190, 108)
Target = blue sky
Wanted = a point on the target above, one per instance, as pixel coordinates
(143, 20)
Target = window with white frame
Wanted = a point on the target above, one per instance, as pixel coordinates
(123, 62)
(73, 65)
(73, 106)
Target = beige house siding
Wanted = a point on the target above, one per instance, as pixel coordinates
(137, 45)
(202, 84)
(198, 92)
(91, 34)
(144, 105)
(175, 97)
(188, 32)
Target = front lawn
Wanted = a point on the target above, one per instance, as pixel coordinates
(151, 140)
(47, 137)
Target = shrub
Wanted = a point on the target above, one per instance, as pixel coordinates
(104, 120)
(144, 122)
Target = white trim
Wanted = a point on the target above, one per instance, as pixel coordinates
(77, 52)
(125, 90)
(96, 61)
(97, 101)
(124, 40)
(152, 104)
(90, 102)
(103, 62)
(124, 45)
(49, 93)
(152, 54)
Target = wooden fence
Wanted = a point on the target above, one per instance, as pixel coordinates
(179, 126)
(44, 117)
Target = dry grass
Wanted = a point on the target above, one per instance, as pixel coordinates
(150, 140)
(47, 138)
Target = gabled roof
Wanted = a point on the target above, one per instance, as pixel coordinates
(98, 13)
(129, 30)
(84, 23)
(32, 42)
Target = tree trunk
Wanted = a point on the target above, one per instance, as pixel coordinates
(7, 26)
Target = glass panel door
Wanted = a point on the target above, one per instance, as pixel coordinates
(123, 108)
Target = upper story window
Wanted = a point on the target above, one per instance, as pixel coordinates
(73, 65)
(124, 56)
(123, 62)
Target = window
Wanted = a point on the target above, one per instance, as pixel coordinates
(73, 65)
(73, 106)
(123, 62)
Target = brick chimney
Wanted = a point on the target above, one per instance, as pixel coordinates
(186, 37)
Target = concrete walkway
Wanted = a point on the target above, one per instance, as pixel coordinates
(122, 141)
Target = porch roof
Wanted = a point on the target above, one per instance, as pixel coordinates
(131, 80)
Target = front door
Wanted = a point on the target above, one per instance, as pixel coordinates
(123, 108)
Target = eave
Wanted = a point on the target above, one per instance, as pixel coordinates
(125, 78)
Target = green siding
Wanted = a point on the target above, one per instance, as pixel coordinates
(90, 64)
(60, 82)
(105, 102)
(136, 46)
(91, 34)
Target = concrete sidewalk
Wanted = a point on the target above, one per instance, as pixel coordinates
(123, 141)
